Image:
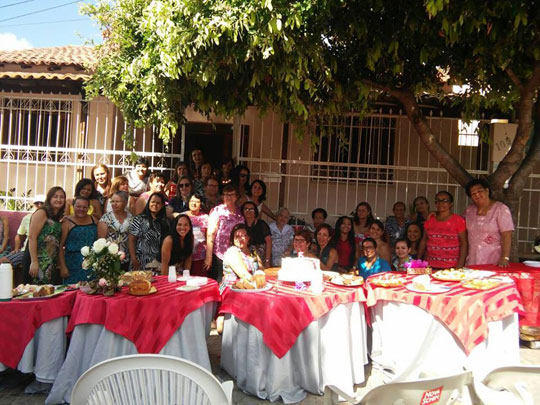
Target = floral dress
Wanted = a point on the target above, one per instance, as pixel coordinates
(118, 232)
(229, 276)
(48, 246)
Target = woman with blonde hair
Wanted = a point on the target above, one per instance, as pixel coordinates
(101, 176)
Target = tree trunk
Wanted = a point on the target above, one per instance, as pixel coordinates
(455, 169)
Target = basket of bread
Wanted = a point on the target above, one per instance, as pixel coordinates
(256, 284)
(141, 287)
(128, 277)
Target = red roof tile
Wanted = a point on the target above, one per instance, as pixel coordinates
(70, 55)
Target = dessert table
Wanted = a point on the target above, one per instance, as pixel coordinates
(32, 334)
(419, 334)
(284, 342)
(169, 322)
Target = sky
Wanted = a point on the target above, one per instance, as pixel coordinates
(26, 24)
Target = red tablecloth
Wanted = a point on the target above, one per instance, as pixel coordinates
(149, 321)
(465, 312)
(528, 284)
(282, 313)
(21, 319)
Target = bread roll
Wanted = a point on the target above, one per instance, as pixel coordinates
(260, 279)
(140, 287)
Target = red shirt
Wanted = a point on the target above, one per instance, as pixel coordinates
(442, 250)
(345, 251)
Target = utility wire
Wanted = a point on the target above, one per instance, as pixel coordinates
(39, 11)
(43, 22)
(14, 4)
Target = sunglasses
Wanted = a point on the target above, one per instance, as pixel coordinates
(184, 185)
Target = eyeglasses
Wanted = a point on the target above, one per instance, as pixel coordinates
(184, 185)
(298, 240)
(249, 209)
(441, 201)
(368, 247)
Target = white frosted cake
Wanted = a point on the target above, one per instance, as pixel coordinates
(295, 269)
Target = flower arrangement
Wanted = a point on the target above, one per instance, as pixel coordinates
(417, 267)
(104, 259)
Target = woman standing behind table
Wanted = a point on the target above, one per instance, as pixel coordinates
(44, 234)
(220, 223)
(376, 231)
(119, 183)
(325, 251)
(361, 221)
(114, 225)
(414, 235)
(489, 226)
(370, 263)
(445, 235)
(138, 178)
(196, 162)
(177, 249)
(257, 194)
(226, 173)
(206, 172)
(282, 236)
(421, 210)
(241, 180)
(146, 232)
(344, 242)
(199, 222)
(85, 188)
(259, 233)
(78, 230)
(394, 227)
(180, 170)
(4, 236)
(101, 176)
(180, 203)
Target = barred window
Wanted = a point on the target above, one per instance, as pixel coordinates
(362, 151)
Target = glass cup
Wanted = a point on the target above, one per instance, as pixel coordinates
(185, 274)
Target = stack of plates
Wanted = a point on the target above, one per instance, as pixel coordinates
(531, 263)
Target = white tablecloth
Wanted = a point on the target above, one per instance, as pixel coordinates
(331, 350)
(45, 353)
(91, 344)
(409, 342)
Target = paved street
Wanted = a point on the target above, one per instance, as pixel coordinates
(12, 383)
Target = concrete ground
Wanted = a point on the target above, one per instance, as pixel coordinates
(12, 383)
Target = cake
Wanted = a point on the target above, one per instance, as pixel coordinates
(295, 269)
(421, 283)
(260, 279)
(140, 287)
(244, 284)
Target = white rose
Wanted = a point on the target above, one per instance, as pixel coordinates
(113, 248)
(85, 251)
(99, 245)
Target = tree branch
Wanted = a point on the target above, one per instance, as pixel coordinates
(514, 78)
(513, 159)
(454, 168)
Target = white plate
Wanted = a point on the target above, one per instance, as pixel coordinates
(531, 263)
(433, 289)
(471, 274)
(187, 288)
(255, 290)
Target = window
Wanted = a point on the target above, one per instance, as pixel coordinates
(36, 123)
(365, 144)
(468, 133)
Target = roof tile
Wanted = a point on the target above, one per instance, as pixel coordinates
(70, 55)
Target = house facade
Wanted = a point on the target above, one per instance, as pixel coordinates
(52, 135)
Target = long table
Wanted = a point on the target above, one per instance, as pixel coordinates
(284, 342)
(167, 322)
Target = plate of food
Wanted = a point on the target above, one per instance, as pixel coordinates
(472, 274)
(449, 275)
(329, 275)
(481, 283)
(387, 280)
(130, 276)
(251, 290)
(257, 284)
(36, 292)
(431, 288)
(347, 280)
(141, 288)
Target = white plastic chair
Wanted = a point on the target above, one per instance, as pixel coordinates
(448, 389)
(150, 379)
(511, 385)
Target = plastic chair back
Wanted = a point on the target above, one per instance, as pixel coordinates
(517, 383)
(150, 379)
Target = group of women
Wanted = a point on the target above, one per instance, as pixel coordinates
(158, 224)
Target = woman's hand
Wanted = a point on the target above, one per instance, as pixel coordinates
(207, 262)
(135, 263)
(34, 269)
(64, 272)
(503, 262)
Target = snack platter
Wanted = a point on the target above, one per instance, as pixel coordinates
(254, 290)
(387, 280)
(431, 288)
(152, 290)
(481, 284)
(30, 292)
(449, 275)
(347, 280)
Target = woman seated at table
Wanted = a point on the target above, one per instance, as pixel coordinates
(371, 263)
(260, 236)
(344, 242)
(445, 235)
(326, 253)
(302, 244)
(402, 254)
(376, 231)
(78, 230)
(414, 235)
(146, 232)
(114, 225)
(177, 248)
(85, 188)
(239, 261)
(39, 262)
(489, 226)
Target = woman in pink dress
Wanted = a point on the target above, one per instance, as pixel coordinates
(489, 226)
(445, 235)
